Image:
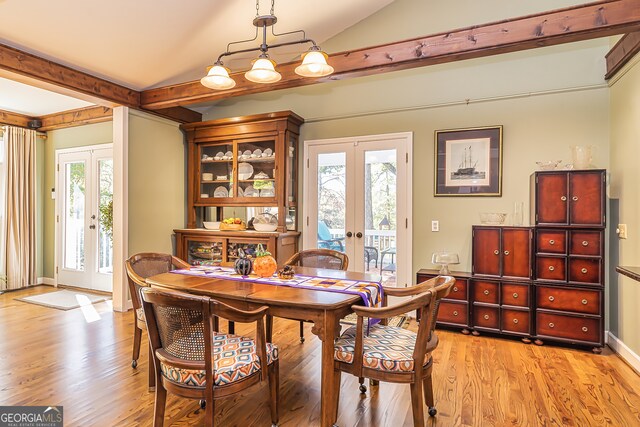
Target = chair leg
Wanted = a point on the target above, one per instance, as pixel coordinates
(269, 328)
(301, 331)
(232, 327)
(159, 406)
(152, 370)
(274, 392)
(336, 396)
(209, 413)
(363, 388)
(137, 338)
(427, 386)
(416, 404)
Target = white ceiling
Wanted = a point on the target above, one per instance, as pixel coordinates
(35, 102)
(148, 43)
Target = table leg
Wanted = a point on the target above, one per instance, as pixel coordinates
(327, 404)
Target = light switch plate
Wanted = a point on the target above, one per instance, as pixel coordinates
(435, 225)
(622, 231)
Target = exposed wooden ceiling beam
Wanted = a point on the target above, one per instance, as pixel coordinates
(26, 64)
(31, 66)
(567, 25)
(79, 117)
(621, 53)
(14, 119)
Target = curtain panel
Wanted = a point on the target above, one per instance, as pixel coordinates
(20, 219)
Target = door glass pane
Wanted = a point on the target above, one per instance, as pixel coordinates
(204, 253)
(74, 206)
(332, 181)
(380, 213)
(105, 236)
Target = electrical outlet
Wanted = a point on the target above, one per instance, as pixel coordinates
(435, 225)
(622, 231)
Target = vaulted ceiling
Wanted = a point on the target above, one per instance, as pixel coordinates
(147, 44)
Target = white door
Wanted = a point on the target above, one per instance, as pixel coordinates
(84, 212)
(358, 201)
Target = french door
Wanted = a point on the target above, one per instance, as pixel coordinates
(358, 201)
(84, 213)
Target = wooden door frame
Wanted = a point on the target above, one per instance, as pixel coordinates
(403, 190)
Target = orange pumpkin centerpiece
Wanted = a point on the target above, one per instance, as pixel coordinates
(264, 265)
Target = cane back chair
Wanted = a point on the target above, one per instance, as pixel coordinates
(192, 360)
(394, 354)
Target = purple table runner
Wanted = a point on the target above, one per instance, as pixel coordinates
(370, 292)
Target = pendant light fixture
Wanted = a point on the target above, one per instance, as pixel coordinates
(263, 70)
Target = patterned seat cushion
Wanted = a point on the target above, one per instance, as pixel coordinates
(386, 348)
(234, 358)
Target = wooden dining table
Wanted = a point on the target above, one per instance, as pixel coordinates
(323, 308)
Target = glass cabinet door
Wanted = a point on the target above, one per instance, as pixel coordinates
(216, 172)
(248, 247)
(204, 253)
(257, 169)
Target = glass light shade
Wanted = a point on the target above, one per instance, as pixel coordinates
(263, 71)
(314, 64)
(218, 78)
(443, 259)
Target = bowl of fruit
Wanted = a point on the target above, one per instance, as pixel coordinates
(233, 224)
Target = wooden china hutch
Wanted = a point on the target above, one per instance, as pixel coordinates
(544, 282)
(240, 162)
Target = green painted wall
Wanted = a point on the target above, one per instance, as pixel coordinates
(100, 133)
(157, 197)
(625, 179)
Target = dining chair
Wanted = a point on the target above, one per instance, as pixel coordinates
(194, 361)
(316, 258)
(393, 354)
(139, 267)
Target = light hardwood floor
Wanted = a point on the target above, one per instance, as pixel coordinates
(81, 359)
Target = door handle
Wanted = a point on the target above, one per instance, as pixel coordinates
(349, 234)
(359, 235)
(92, 226)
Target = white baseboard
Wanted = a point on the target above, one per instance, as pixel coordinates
(46, 281)
(625, 352)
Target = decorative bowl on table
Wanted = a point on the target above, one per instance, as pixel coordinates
(232, 224)
(492, 218)
(548, 165)
(211, 225)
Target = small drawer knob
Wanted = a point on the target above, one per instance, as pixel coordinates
(506, 252)
(585, 329)
(486, 317)
(515, 321)
(515, 295)
(455, 289)
(552, 242)
(574, 198)
(584, 271)
(455, 313)
(551, 298)
(551, 268)
(496, 252)
(563, 198)
(584, 302)
(552, 325)
(486, 292)
(585, 243)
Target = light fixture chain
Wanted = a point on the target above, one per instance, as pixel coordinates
(273, 3)
(257, 7)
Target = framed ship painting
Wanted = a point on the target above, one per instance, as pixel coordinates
(468, 162)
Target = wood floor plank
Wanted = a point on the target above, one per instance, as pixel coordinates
(81, 359)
